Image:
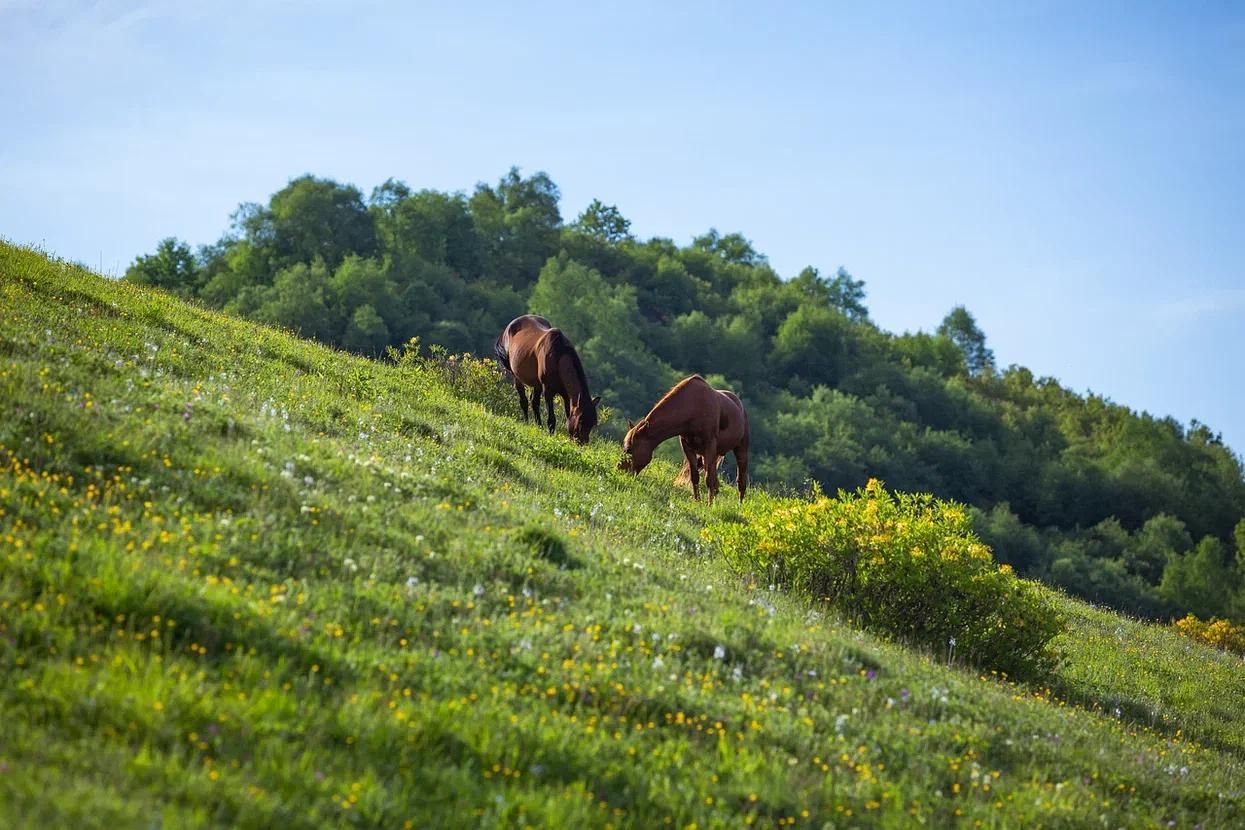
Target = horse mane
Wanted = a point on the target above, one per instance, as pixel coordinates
(563, 344)
(676, 388)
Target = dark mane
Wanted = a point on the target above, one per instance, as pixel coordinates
(563, 344)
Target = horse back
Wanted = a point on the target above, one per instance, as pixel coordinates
(528, 322)
(518, 343)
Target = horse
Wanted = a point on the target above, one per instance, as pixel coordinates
(534, 353)
(709, 422)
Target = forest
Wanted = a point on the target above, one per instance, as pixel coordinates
(1134, 511)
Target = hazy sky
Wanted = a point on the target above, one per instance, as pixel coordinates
(1075, 176)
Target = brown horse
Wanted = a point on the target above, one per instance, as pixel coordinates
(536, 354)
(709, 422)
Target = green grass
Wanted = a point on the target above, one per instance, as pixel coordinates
(247, 581)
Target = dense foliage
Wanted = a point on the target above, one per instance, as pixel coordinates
(1123, 508)
(249, 581)
(908, 565)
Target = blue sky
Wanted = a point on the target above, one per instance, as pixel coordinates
(1075, 176)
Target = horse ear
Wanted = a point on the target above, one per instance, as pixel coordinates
(630, 424)
(596, 401)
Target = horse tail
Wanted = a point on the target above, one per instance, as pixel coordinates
(684, 478)
(503, 353)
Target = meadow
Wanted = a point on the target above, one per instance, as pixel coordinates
(250, 581)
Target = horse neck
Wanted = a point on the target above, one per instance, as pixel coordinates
(664, 422)
(577, 394)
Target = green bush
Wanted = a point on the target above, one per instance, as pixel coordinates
(469, 377)
(907, 564)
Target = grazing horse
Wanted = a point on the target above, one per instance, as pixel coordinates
(536, 354)
(709, 422)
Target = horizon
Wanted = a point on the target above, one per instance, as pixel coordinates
(1074, 178)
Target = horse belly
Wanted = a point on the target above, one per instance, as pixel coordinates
(523, 363)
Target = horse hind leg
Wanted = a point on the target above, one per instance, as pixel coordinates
(522, 390)
(741, 464)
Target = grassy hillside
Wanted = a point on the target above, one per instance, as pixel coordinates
(249, 581)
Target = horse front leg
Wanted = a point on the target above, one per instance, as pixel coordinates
(553, 421)
(536, 404)
(522, 390)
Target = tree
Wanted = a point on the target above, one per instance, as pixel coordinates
(362, 282)
(517, 223)
(733, 247)
(1238, 535)
(848, 295)
(300, 299)
(388, 195)
(605, 222)
(367, 332)
(309, 218)
(429, 226)
(1149, 550)
(172, 267)
(571, 295)
(812, 344)
(842, 292)
(960, 326)
(829, 433)
(1200, 580)
(929, 351)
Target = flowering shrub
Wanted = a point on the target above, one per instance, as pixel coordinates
(1220, 634)
(902, 563)
(474, 378)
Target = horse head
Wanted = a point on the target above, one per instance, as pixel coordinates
(637, 449)
(582, 420)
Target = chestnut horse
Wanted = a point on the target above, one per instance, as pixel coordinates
(536, 354)
(709, 422)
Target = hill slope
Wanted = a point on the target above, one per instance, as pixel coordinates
(1137, 512)
(246, 580)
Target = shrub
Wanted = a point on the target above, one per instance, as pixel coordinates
(474, 378)
(907, 564)
(1216, 633)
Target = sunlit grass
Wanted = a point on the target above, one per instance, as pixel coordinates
(249, 581)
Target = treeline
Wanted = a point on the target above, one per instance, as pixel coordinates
(1134, 511)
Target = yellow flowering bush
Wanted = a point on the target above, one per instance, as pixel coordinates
(1215, 632)
(908, 564)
